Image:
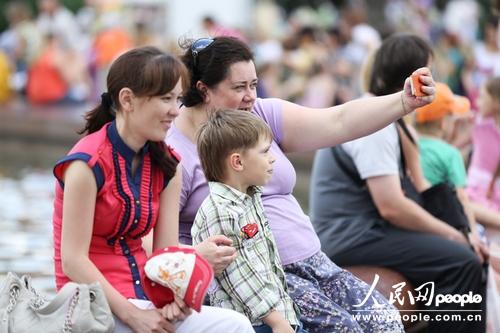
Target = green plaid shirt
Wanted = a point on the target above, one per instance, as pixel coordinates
(253, 284)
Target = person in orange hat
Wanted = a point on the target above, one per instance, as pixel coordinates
(446, 103)
(441, 162)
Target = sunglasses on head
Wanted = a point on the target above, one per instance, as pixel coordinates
(198, 46)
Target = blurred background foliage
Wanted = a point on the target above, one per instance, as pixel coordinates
(375, 6)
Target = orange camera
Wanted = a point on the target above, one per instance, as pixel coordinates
(416, 85)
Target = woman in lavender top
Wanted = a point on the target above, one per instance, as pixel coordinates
(223, 76)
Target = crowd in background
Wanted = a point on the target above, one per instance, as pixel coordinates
(311, 56)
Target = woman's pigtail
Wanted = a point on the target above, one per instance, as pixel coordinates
(100, 115)
(162, 159)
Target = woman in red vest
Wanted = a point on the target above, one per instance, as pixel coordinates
(120, 182)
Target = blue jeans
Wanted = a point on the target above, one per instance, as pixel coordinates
(267, 329)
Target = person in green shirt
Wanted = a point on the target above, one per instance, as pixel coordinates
(441, 162)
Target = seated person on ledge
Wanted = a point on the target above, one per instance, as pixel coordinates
(362, 215)
(234, 150)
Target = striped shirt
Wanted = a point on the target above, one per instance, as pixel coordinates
(254, 283)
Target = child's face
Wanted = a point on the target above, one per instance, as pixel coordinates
(258, 163)
(487, 104)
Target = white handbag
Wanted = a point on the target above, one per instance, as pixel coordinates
(77, 308)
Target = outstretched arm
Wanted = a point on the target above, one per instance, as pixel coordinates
(309, 129)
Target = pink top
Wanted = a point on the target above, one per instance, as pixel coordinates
(126, 208)
(484, 161)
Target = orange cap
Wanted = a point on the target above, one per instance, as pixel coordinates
(445, 103)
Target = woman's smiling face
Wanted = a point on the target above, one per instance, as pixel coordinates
(237, 91)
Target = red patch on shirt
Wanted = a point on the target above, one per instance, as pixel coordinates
(250, 230)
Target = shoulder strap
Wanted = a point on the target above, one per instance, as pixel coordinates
(353, 174)
(401, 124)
(62, 297)
(405, 129)
(402, 155)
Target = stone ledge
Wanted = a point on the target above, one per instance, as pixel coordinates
(20, 121)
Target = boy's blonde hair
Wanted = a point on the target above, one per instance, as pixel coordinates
(225, 132)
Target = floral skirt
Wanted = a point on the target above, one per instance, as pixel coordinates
(327, 295)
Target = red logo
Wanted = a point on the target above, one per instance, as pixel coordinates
(250, 230)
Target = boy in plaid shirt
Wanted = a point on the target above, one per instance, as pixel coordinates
(234, 149)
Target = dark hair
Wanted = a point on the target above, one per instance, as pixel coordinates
(212, 65)
(148, 72)
(227, 131)
(395, 60)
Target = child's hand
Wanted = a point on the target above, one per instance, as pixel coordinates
(176, 311)
(217, 250)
